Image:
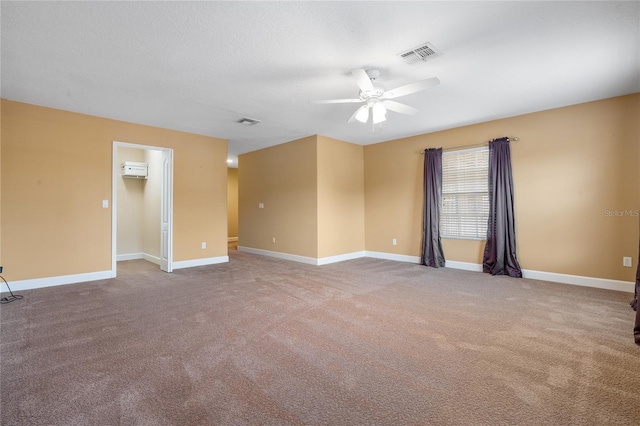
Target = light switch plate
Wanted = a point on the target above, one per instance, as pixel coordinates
(105, 204)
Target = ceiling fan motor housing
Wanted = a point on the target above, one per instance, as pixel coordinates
(376, 93)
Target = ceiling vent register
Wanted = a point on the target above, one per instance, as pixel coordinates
(422, 53)
(249, 121)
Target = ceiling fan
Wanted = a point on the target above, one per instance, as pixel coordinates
(378, 100)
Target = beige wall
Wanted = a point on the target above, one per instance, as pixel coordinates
(283, 177)
(130, 206)
(1, 184)
(232, 203)
(571, 165)
(340, 197)
(152, 207)
(57, 169)
(313, 195)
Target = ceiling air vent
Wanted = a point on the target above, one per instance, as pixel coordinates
(424, 52)
(249, 121)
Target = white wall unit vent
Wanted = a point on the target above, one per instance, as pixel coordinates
(131, 169)
(249, 121)
(424, 52)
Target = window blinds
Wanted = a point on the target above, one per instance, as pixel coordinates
(465, 194)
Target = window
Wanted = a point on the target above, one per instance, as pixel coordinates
(465, 194)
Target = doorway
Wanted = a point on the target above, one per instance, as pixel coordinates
(142, 208)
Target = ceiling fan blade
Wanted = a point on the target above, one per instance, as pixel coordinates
(361, 114)
(398, 107)
(411, 88)
(336, 101)
(363, 80)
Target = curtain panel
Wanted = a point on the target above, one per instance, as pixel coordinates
(432, 254)
(500, 249)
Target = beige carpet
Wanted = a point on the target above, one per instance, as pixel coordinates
(261, 341)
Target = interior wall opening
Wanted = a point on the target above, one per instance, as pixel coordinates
(138, 230)
(141, 201)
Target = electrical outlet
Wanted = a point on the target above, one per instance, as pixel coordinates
(0, 269)
(204, 245)
(261, 205)
(626, 261)
(273, 240)
(394, 241)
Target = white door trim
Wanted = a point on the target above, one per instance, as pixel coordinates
(114, 200)
(166, 212)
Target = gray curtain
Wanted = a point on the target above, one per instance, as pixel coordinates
(500, 250)
(432, 254)
(634, 303)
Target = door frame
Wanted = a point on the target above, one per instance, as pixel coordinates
(166, 192)
(166, 212)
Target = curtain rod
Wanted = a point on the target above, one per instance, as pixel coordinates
(515, 138)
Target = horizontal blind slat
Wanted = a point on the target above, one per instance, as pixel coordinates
(465, 194)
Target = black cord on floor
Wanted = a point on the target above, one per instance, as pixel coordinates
(11, 298)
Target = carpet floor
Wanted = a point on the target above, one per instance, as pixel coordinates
(263, 341)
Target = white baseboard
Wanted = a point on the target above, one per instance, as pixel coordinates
(465, 266)
(199, 262)
(59, 280)
(625, 286)
(187, 263)
(150, 258)
(279, 255)
(103, 275)
(129, 256)
(555, 277)
(603, 283)
(304, 259)
(135, 256)
(230, 239)
(340, 257)
(393, 256)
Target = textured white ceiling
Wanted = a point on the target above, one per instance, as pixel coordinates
(201, 66)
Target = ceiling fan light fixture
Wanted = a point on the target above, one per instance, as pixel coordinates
(363, 114)
(379, 112)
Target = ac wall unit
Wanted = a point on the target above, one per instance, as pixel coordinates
(131, 169)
